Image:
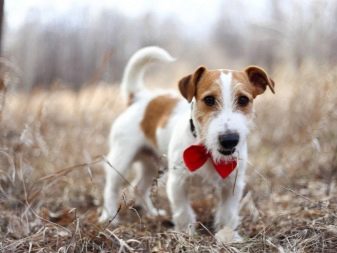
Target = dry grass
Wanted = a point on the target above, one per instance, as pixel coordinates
(51, 147)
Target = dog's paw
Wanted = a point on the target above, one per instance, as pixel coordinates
(227, 235)
(105, 217)
(156, 212)
(237, 237)
(185, 222)
(189, 229)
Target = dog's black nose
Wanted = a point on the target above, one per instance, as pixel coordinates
(229, 141)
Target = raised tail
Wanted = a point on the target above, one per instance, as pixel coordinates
(132, 81)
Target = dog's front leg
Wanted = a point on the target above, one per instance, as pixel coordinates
(227, 213)
(182, 212)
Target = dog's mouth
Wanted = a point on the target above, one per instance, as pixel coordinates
(226, 151)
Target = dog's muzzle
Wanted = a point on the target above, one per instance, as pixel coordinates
(228, 143)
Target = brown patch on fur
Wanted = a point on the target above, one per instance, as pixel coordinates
(259, 79)
(156, 115)
(251, 82)
(243, 87)
(241, 80)
(188, 84)
(207, 87)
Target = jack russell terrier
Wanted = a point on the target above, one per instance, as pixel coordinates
(204, 134)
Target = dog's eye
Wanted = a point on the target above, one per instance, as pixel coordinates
(209, 100)
(243, 100)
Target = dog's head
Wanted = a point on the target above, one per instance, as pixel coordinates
(222, 107)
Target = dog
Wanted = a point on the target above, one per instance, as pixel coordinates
(203, 131)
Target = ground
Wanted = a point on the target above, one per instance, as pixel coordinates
(52, 146)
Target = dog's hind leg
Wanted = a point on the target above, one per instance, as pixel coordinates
(118, 161)
(148, 169)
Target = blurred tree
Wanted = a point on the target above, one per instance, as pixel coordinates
(78, 47)
(229, 32)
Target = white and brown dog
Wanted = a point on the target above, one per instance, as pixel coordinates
(204, 134)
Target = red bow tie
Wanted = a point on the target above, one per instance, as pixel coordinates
(195, 156)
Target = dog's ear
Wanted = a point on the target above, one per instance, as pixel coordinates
(259, 79)
(188, 84)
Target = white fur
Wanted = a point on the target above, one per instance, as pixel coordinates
(127, 138)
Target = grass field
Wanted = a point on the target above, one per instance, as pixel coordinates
(52, 144)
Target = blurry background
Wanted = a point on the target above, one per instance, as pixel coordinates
(81, 41)
(62, 61)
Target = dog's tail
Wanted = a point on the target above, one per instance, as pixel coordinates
(132, 81)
